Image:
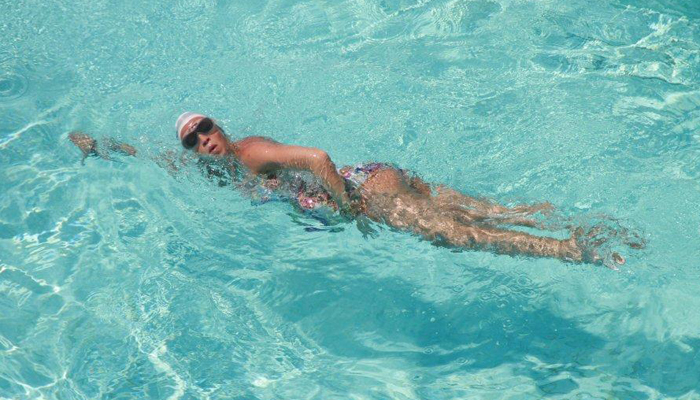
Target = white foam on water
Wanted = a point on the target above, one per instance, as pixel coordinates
(179, 384)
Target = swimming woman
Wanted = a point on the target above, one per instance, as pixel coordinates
(379, 191)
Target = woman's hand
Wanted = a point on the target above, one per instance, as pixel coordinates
(85, 143)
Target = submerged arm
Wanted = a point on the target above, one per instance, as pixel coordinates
(88, 145)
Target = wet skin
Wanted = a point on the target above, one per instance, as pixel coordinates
(389, 196)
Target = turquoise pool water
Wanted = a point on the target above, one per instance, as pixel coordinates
(120, 281)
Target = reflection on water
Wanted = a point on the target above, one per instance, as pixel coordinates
(120, 280)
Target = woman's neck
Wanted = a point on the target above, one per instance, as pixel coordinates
(233, 148)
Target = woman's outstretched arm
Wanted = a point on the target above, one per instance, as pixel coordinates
(89, 146)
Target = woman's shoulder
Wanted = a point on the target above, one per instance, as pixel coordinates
(255, 139)
(253, 145)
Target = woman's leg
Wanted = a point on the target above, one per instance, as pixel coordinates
(480, 209)
(389, 198)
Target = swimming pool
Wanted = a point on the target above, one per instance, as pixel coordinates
(118, 280)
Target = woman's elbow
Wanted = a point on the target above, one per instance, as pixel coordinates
(320, 159)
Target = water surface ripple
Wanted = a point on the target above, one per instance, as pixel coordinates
(120, 280)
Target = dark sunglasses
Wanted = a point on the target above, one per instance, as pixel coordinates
(205, 126)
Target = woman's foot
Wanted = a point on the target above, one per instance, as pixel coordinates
(590, 245)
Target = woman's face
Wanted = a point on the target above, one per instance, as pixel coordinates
(211, 142)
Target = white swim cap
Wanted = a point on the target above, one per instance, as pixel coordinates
(183, 119)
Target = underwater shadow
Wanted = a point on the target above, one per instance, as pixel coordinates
(366, 317)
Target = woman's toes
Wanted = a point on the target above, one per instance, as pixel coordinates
(618, 259)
